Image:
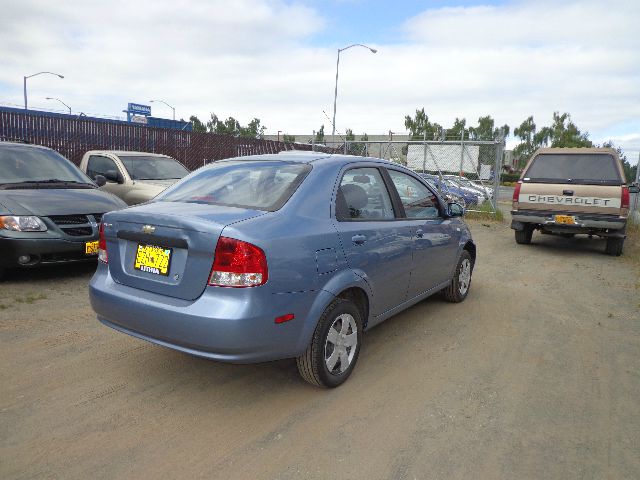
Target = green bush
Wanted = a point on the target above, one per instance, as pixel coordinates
(509, 177)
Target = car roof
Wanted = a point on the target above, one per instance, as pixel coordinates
(127, 152)
(312, 157)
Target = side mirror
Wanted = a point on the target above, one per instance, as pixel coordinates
(634, 189)
(100, 180)
(114, 176)
(454, 209)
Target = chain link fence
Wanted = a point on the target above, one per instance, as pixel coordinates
(465, 170)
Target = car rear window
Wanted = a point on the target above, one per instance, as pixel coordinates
(260, 185)
(592, 168)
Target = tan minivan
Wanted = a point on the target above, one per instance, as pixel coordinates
(568, 191)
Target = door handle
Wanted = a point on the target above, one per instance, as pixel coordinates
(419, 233)
(567, 192)
(358, 239)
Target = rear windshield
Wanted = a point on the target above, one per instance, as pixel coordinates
(592, 168)
(260, 185)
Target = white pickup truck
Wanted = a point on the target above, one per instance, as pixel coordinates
(135, 177)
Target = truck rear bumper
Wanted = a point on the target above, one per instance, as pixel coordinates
(603, 225)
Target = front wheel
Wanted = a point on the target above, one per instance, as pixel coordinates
(334, 348)
(461, 282)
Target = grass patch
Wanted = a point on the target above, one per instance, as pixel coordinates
(3, 306)
(632, 243)
(485, 212)
(30, 298)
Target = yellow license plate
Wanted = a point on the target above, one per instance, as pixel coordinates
(565, 219)
(91, 248)
(153, 259)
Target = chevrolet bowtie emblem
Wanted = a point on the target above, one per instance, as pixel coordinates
(148, 229)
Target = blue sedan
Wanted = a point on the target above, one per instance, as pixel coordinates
(280, 256)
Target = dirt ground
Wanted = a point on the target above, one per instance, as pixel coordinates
(536, 375)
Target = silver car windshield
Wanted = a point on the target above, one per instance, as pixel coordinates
(261, 185)
(152, 167)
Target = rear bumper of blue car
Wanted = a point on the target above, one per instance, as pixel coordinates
(223, 324)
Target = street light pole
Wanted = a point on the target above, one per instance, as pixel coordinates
(335, 94)
(51, 98)
(24, 83)
(162, 101)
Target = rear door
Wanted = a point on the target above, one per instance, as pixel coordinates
(376, 243)
(435, 238)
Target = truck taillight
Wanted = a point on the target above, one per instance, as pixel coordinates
(238, 264)
(516, 194)
(625, 201)
(102, 245)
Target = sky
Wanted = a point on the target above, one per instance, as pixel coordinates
(276, 60)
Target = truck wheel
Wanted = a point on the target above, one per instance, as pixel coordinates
(461, 282)
(523, 236)
(1, 273)
(614, 246)
(334, 348)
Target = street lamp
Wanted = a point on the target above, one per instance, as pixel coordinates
(162, 101)
(24, 84)
(51, 98)
(335, 95)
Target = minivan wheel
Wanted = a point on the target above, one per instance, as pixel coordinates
(523, 236)
(461, 282)
(334, 348)
(614, 246)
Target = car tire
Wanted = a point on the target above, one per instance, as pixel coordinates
(523, 237)
(2, 270)
(460, 284)
(336, 339)
(614, 246)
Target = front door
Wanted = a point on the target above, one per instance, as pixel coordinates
(435, 238)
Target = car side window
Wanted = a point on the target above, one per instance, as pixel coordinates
(417, 199)
(362, 195)
(99, 165)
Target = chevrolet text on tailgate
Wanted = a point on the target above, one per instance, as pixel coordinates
(569, 191)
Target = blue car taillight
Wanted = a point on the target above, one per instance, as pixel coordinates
(238, 264)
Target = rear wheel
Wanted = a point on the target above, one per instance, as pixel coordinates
(614, 246)
(334, 348)
(523, 236)
(461, 282)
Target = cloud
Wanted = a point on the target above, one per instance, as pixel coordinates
(253, 58)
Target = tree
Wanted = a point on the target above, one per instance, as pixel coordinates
(564, 133)
(487, 131)
(320, 135)
(420, 124)
(253, 130)
(197, 125)
(526, 132)
(629, 171)
(288, 138)
(231, 126)
(353, 147)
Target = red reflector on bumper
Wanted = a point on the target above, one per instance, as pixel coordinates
(285, 318)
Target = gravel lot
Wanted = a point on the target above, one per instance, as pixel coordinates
(535, 375)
